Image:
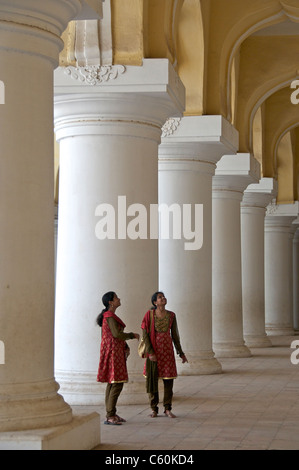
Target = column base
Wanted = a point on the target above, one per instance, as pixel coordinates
(82, 389)
(257, 341)
(32, 406)
(199, 364)
(82, 433)
(229, 349)
(279, 330)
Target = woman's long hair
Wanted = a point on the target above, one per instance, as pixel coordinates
(108, 297)
(154, 299)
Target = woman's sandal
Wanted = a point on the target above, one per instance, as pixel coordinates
(153, 414)
(113, 421)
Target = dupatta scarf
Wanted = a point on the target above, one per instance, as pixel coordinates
(109, 314)
(148, 324)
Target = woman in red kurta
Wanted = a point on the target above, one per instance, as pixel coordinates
(160, 332)
(113, 355)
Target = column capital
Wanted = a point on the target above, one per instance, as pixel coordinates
(101, 96)
(236, 172)
(260, 194)
(198, 138)
(281, 216)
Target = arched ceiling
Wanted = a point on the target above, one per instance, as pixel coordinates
(235, 58)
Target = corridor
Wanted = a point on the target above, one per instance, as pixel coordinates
(253, 405)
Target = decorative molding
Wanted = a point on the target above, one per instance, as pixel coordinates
(170, 126)
(95, 74)
(272, 208)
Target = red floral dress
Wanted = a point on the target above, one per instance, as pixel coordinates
(164, 347)
(112, 366)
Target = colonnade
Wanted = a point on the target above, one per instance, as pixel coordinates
(117, 151)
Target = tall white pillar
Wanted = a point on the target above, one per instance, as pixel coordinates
(29, 49)
(253, 209)
(109, 129)
(296, 280)
(232, 176)
(294, 286)
(188, 155)
(278, 269)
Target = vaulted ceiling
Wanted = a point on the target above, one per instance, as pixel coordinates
(236, 58)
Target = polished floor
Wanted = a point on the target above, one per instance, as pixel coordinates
(252, 405)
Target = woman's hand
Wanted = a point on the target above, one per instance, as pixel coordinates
(137, 336)
(152, 357)
(184, 359)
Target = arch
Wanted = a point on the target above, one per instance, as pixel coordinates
(259, 101)
(281, 116)
(274, 117)
(281, 136)
(264, 23)
(285, 159)
(231, 24)
(256, 54)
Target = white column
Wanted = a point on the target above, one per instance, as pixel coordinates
(109, 131)
(292, 232)
(278, 269)
(232, 176)
(188, 155)
(29, 49)
(296, 280)
(253, 209)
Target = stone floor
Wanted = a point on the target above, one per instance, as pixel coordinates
(252, 405)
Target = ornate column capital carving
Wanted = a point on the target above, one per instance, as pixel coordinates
(95, 74)
(145, 96)
(198, 138)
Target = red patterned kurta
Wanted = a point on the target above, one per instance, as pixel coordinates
(165, 353)
(112, 367)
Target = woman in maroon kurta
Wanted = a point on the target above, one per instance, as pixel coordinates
(160, 332)
(113, 355)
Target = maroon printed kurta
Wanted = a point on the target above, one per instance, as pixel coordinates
(112, 366)
(165, 353)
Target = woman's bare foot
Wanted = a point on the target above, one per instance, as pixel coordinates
(169, 414)
(153, 414)
(119, 419)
